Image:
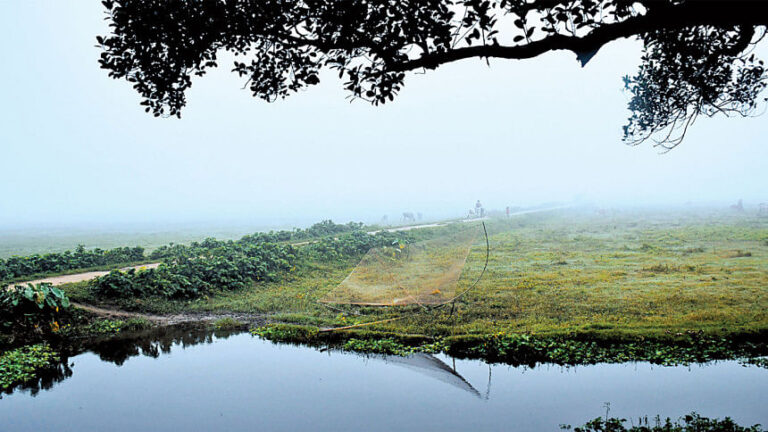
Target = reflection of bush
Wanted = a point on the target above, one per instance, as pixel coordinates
(118, 349)
(151, 343)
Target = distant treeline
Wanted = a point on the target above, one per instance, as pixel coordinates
(80, 258)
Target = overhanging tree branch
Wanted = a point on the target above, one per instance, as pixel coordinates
(696, 56)
(662, 16)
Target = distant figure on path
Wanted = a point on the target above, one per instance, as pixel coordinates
(739, 206)
(762, 211)
(507, 212)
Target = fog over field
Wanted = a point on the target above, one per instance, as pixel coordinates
(77, 150)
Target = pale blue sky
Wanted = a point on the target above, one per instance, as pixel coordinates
(75, 146)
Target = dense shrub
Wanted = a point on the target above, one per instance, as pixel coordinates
(201, 268)
(319, 230)
(20, 266)
(225, 265)
(353, 245)
(33, 306)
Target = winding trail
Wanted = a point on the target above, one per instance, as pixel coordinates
(79, 277)
(171, 319)
(115, 313)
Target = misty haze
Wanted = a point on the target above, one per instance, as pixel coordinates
(332, 215)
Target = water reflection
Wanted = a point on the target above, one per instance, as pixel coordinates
(184, 379)
(118, 349)
(152, 343)
(44, 381)
(159, 341)
(431, 366)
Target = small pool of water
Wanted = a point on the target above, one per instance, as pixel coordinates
(236, 382)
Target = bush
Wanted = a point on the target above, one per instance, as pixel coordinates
(37, 306)
(353, 245)
(201, 268)
(21, 266)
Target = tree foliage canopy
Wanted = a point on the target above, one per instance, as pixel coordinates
(696, 59)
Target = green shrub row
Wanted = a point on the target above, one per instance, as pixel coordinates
(20, 266)
(193, 271)
(321, 229)
(353, 245)
(81, 258)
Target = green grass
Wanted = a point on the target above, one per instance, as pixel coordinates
(565, 273)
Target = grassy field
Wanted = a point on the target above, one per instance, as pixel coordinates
(563, 273)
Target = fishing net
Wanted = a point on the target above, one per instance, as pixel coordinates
(425, 272)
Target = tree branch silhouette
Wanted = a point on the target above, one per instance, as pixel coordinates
(694, 59)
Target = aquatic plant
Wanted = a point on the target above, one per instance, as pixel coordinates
(379, 346)
(286, 333)
(530, 349)
(108, 326)
(227, 323)
(23, 364)
(692, 422)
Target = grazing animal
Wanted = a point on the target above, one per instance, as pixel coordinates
(739, 206)
(408, 217)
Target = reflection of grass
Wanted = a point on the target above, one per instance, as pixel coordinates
(560, 274)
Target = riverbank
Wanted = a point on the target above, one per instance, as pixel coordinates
(659, 279)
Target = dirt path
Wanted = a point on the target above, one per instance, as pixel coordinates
(172, 319)
(79, 277)
(114, 313)
(439, 224)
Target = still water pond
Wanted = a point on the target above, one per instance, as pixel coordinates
(235, 382)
